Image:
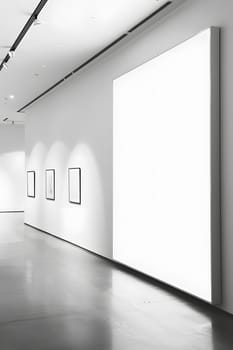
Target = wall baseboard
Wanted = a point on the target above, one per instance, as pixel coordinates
(11, 211)
(148, 279)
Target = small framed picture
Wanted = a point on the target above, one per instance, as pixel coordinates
(31, 184)
(74, 185)
(50, 184)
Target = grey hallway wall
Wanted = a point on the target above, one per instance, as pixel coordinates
(73, 126)
(12, 168)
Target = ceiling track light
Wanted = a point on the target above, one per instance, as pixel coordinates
(37, 22)
(32, 20)
(11, 53)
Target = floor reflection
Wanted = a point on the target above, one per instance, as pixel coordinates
(56, 296)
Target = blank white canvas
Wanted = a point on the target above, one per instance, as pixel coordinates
(162, 201)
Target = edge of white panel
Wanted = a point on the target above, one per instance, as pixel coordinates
(215, 166)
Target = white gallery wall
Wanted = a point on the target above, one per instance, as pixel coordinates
(65, 132)
(12, 168)
(72, 126)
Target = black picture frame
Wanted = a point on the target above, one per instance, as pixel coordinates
(31, 188)
(74, 185)
(50, 187)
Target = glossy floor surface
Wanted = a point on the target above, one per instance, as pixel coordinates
(57, 296)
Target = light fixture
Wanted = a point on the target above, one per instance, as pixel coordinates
(37, 22)
(5, 66)
(11, 97)
(11, 53)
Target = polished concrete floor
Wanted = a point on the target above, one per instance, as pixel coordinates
(57, 296)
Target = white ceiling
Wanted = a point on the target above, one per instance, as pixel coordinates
(71, 32)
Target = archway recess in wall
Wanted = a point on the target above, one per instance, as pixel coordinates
(166, 167)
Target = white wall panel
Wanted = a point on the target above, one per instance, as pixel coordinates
(162, 166)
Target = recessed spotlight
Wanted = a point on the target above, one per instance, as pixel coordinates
(11, 97)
